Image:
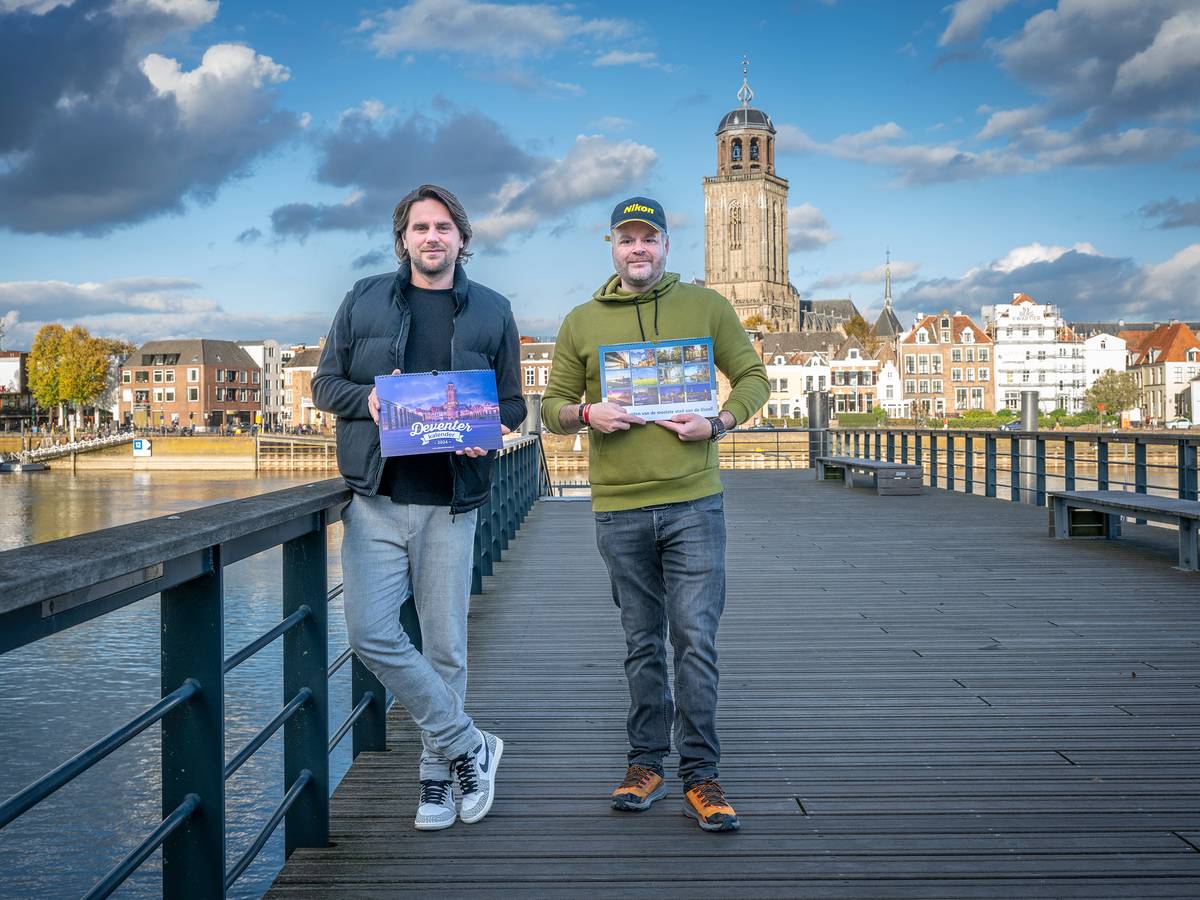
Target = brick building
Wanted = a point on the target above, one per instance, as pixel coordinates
(204, 383)
(947, 365)
(298, 406)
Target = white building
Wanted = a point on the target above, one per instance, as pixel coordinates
(1103, 353)
(1036, 351)
(793, 376)
(536, 359)
(889, 393)
(269, 356)
(853, 379)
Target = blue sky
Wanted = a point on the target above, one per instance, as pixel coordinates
(195, 168)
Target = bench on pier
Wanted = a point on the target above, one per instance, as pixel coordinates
(888, 477)
(1097, 514)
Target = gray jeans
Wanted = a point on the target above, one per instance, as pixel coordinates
(387, 549)
(667, 568)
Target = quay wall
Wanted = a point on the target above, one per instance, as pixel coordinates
(201, 452)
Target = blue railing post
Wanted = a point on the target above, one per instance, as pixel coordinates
(1187, 470)
(1014, 469)
(1040, 472)
(989, 465)
(951, 459)
(933, 459)
(305, 661)
(370, 731)
(891, 447)
(1101, 464)
(857, 444)
(1139, 466)
(969, 463)
(193, 735)
(904, 448)
(1069, 462)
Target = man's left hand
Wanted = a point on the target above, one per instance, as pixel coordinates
(479, 451)
(688, 426)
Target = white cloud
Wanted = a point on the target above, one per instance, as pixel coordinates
(1176, 48)
(622, 58)
(1176, 282)
(225, 86)
(807, 228)
(493, 30)
(594, 168)
(612, 123)
(967, 18)
(902, 270)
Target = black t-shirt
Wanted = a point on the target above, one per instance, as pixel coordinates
(426, 479)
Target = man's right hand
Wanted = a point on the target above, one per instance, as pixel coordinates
(609, 417)
(373, 400)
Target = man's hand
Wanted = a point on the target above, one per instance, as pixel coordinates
(609, 417)
(688, 426)
(373, 400)
(479, 451)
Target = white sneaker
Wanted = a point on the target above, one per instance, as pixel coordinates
(475, 773)
(436, 810)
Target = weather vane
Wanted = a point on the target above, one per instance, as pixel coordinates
(744, 93)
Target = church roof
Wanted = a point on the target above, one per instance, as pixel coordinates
(887, 325)
(746, 117)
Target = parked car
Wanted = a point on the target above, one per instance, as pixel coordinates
(1179, 423)
(1014, 425)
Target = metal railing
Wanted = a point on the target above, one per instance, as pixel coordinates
(1023, 465)
(53, 451)
(57, 585)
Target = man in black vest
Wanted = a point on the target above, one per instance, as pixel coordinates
(411, 523)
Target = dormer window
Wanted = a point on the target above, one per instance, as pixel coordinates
(852, 354)
(779, 360)
(922, 337)
(968, 337)
(945, 321)
(1193, 355)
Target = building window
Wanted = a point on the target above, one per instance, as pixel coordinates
(254, 379)
(976, 398)
(193, 395)
(923, 363)
(254, 398)
(170, 395)
(970, 354)
(939, 406)
(960, 398)
(956, 354)
(243, 377)
(158, 376)
(543, 375)
(910, 387)
(970, 374)
(735, 153)
(220, 375)
(193, 375)
(170, 376)
(937, 385)
(910, 363)
(158, 395)
(220, 395)
(945, 322)
(956, 374)
(735, 227)
(983, 354)
(923, 386)
(922, 337)
(936, 362)
(126, 377)
(530, 377)
(945, 337)
(753, 149)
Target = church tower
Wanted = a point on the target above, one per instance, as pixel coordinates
(745, 219)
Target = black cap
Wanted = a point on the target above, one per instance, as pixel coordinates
(639, 209)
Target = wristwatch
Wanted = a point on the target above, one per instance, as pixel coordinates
(718, 428)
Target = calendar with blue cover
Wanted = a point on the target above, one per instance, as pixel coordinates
(660, 379)
(436, 412)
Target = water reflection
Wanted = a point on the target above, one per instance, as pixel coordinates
(62, 693)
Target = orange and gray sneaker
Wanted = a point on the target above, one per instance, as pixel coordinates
(641, 787)
(705, 802)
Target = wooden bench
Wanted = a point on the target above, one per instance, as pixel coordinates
(1097, 514)
(889, 478)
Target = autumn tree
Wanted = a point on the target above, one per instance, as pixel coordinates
(755, 323)
(43, 367)
(71, 367)
(1113, 392)
(857, 327)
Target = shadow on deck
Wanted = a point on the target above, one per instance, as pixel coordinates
(921, 697)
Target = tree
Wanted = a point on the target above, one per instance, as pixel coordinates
(43, 366)
(755, 322)
(70, 366)
(1114, 391)
(857, 327)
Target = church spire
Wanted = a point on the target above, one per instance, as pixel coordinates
(887, 281)
(744, 93)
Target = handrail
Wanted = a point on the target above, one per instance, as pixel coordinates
(60, 584)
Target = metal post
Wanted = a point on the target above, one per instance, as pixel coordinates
(193, 735)
(1139, 471)
(818, 423)
(1069, 463)
(1187, 470)
(305, 660)
(904, 448)
(1101, 464)
(1040, 473)
(969, 463)
(370, 731)
(933, 459)
(989, 465)
(1029, 448)
(533, 414)
(891, 447)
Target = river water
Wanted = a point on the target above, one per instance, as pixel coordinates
(62, 693)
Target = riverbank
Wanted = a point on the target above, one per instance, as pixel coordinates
(196, 453)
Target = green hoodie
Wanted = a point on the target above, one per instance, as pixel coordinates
(648, 464)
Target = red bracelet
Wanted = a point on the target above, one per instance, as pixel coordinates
(587, 414)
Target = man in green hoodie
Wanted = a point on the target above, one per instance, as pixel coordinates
(656, 496)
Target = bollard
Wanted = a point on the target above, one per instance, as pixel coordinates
(818, 423)
(533, 415)
(1029, 422)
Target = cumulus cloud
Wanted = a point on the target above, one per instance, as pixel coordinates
(491, 30)
(378, 159)
(594, 168)
(373, 258)
(967, 18)
(902, 270)
(141, 309)
(807, 228)
(1083, 282)
(1174, 214)
(98, 134)
(249, 236)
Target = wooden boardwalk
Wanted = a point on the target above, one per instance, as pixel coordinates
(921, 697)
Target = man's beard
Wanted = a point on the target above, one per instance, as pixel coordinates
(419, 264)
(655, 274)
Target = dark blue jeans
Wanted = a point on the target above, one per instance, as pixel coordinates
(667, 567)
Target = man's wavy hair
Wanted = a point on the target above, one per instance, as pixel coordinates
(447, 199)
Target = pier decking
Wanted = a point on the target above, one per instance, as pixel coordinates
(922, 696)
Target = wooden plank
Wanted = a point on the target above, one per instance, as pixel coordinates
(919, 698)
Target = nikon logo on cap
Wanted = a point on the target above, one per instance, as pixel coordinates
(639, 209)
